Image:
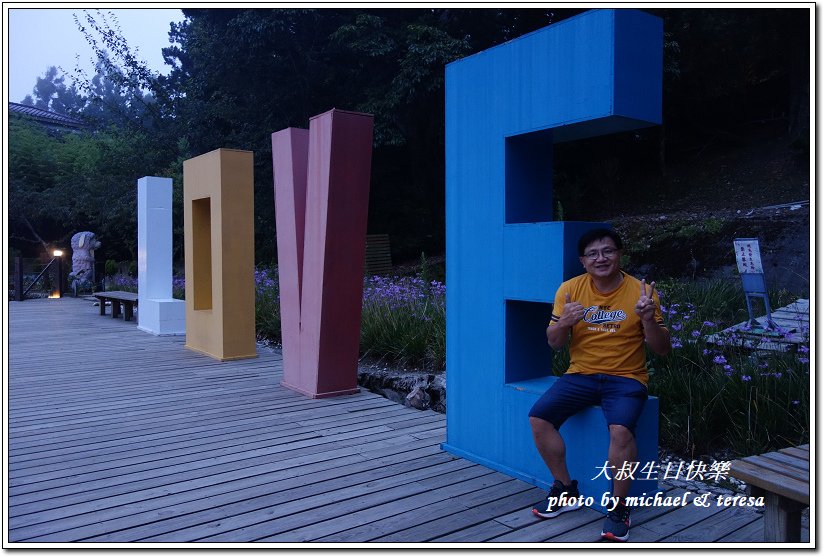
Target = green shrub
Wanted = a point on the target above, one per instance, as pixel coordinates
(267, 305)
(724, 397)
(404, 321)
(179, 288)
(121, 282)
(111, 267)
(714, 399)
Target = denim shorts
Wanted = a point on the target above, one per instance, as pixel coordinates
(621, 398)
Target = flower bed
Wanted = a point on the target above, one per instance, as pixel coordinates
(713, 400)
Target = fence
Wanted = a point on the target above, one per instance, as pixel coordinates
(36, 278)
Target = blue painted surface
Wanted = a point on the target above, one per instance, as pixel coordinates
(594, 74)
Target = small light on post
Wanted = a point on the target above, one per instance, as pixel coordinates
(58, 292)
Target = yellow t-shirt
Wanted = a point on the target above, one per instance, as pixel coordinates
(610, 338)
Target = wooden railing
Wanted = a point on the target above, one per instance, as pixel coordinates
(55, 287)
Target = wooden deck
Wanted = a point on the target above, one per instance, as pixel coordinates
(116, 435)
(794, 319)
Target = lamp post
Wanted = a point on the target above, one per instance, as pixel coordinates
(18, 279)
(58, 255)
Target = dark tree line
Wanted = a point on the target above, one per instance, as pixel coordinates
(240, 74)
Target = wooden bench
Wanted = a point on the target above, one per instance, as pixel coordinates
(783, 479)
(117, 297)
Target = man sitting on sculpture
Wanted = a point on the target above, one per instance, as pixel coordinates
(605, 316)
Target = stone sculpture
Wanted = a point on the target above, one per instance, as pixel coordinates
(83, 246)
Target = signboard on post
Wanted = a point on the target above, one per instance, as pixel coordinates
(748, 257)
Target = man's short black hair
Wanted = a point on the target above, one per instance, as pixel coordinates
(598, 234)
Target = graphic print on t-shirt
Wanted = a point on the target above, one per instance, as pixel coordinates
(604, 318)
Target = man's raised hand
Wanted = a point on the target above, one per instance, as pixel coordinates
(573, 312)
(645, 308)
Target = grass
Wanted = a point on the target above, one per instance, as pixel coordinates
(722, 399)
(404, 321)
(403, 318)
(128, 283)
(725, 398)
(122, 282)
(267, 305)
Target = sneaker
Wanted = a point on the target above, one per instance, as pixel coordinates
(616, 524)
(561, 498)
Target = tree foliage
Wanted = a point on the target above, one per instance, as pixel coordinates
(60, 184)
(51, 93)
(240, 74)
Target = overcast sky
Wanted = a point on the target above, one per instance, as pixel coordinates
(39, 38)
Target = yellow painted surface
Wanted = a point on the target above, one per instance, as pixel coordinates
(218, 217)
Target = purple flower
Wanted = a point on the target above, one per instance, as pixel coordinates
(709, 324)
(676, 343)
(796, 402)
(803, 349)
(677, 326)
(696, 334)
(803, 360)
(410, 294)
(719, 360)
(746, 378)
(728, 367)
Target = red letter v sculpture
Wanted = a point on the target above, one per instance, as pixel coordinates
(321, 204)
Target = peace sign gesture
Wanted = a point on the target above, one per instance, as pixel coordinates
(645, 308)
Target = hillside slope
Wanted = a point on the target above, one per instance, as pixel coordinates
(682, 222)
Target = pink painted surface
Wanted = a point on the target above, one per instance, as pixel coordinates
(290, 156)
(329, 279)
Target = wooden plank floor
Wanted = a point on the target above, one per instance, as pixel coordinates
(116, 435)
(794, 318)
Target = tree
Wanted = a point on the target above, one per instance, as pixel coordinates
(733, 66)
(30, 162)
(239, 74)
(51, 93)
(62, 184)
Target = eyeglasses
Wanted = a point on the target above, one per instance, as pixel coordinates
(608, 253)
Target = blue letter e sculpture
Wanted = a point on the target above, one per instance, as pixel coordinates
(593, 74)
